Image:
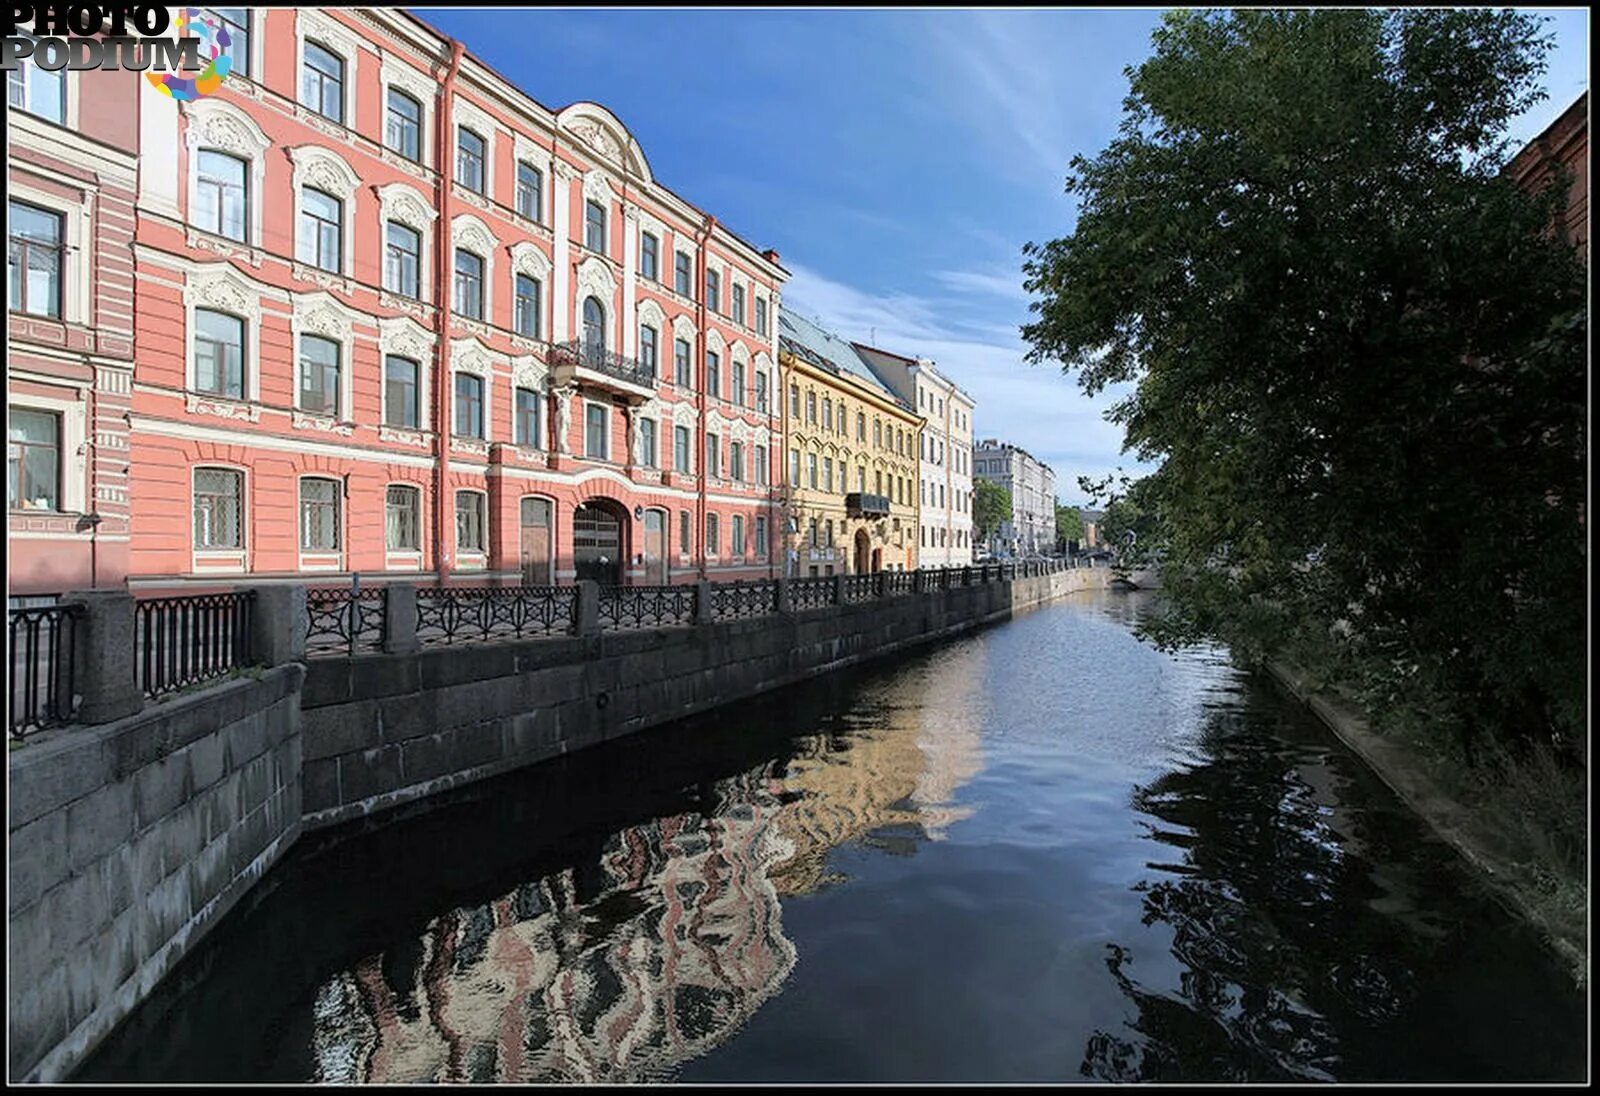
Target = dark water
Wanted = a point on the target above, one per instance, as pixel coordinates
(1045, 852)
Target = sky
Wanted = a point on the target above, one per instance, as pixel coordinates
(897, 160)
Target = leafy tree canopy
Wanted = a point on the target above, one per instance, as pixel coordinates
(1356, 350)
(991, 504)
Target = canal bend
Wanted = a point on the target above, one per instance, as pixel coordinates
(1041, 852)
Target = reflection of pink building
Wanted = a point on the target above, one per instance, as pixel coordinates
(70, 170)
(620, 971)
(397, 317)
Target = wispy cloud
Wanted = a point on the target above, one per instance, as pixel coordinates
(1036, 407)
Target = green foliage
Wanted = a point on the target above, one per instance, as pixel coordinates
(1356, 353)
(1069, 524)
(991, 504)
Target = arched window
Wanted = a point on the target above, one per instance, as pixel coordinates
(594, 325)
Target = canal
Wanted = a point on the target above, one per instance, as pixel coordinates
(1042, 852)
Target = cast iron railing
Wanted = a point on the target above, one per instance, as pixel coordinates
(179, 641)
(44, 656)
(604, 361)
(860, 587)
(339, 621)
(645, 606)
(900, 582)
(730, 600)
(480, 613)
(811, 593)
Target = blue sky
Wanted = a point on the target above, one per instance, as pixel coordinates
(898, 160)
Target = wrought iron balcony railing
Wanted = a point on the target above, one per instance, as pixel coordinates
(601, 360)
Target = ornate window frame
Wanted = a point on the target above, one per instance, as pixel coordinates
(336, 38)
(216, 125)
(77, 235)
(471, 356)
(405, 205)
(404, 337)
(595, 279)
(465, 113)
(325, 170)
(468, 233)
(400, 76)
(529, 258)
(322, 315)
(219, 288)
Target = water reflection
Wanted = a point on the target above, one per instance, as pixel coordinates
(1044, 852)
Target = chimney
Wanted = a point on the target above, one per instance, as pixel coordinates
(771, 256)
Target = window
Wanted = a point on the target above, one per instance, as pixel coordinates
(469, 159)
(594, 326)
(738, 304)
(220, 196)
(794, 467)
(813, 536)
(649, 256)
(218, 353)
(319, 515)
(402, 260)
(319, 375)
(811, 407)
(811, 470)
(683, 532)
(877, 433)
(35, 260)
(680, 449)
(469, 285)
(400, 390)
(530, 191)
(217, 492)
(469, 405)
(647, 347)
(794, 401)
(681, 362)
(761, 391)
(827, 474)
(402, 125)
(713, 374)
(827, 414)
(713, 452)
(322, 82)
(713, 291)
(469, 521)
(597, 429)
(761, 536)
(41, 92)
(527, 306)
(527, 418)
(683, 273)
(321, 229)
(647, 442)
(402, 514)
(594, 226)
(761, 465)
(736, 462)
(736, 539)
(711, 534)
(738, 383)
(761, 316)
(33, 460)
(861, 426)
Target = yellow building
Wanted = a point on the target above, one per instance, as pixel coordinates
(850, 460)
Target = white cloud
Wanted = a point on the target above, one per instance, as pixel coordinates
(1036, 407)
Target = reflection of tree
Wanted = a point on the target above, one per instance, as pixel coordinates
(1283, 965)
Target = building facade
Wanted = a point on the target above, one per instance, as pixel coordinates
(1031, 527)
(851, 469)
(71, 161)
(944, 481)
(398, 318)
(1563, 145)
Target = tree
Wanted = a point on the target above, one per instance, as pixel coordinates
(1069, 525)
(991, 504)
(1353, 345)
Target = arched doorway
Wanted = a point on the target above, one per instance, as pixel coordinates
(538, 541)
(863, 560)
(599, 541)
(654, 548)
(877, 560)
(594, 327)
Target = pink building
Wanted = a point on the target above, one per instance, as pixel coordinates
(70, 174)
(396, 317)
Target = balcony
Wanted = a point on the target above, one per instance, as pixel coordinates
(859, 504)
(596, 367)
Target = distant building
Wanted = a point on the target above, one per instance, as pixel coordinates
(1565, 142)
(944, 488)
(1092, 539)
(850, 459)
(1032, 483)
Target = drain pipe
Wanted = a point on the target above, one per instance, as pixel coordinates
(707, 224)
(442, 561)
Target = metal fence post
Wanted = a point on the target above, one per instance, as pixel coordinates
(838, 589)
(702, 602)
(588, 622)
(400, 618)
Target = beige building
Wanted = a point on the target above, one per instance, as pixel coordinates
(850, 460)
(944, 481)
